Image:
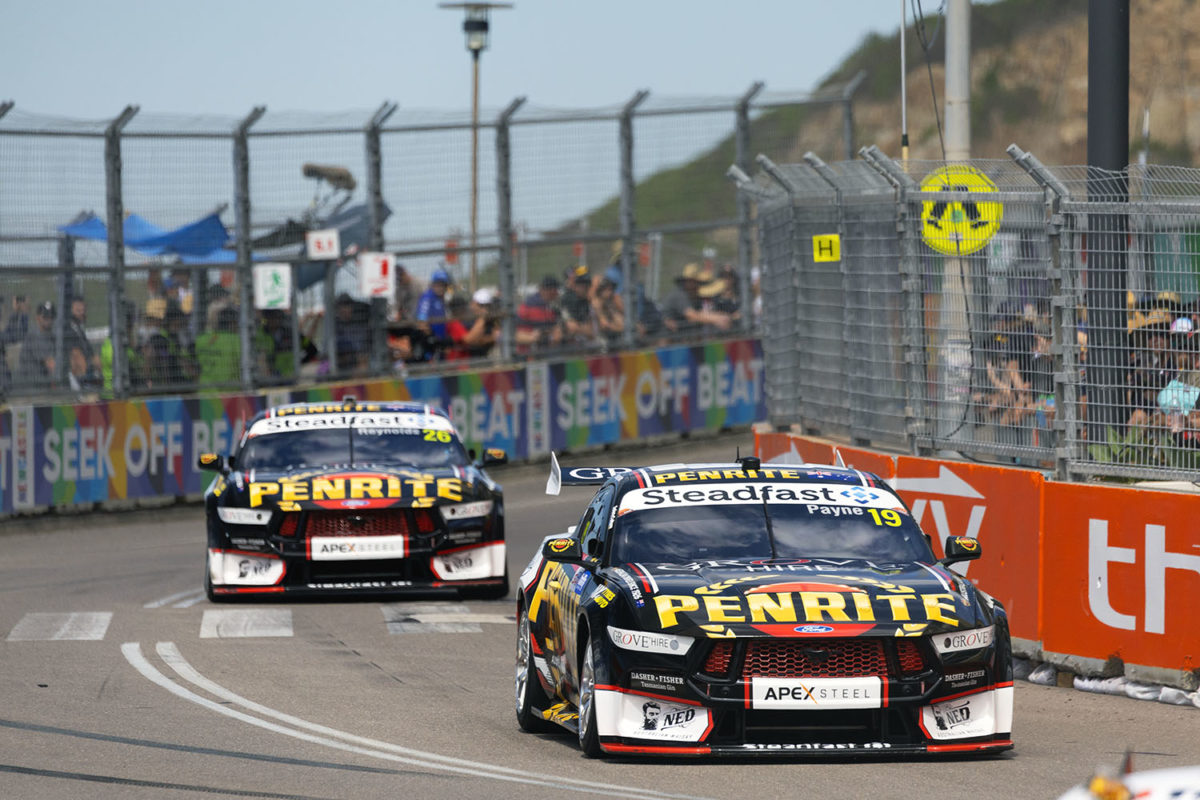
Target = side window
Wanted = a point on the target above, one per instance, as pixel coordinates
(594, 525)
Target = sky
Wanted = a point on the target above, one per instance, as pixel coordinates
(89, 60)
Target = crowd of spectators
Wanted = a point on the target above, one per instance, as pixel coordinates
(182, 337)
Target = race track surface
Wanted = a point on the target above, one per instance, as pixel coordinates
(119, 680)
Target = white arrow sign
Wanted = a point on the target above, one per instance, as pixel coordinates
(946, 483)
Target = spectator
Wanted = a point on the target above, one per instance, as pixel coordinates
(647, 317)
(181, 289)
(156, 301)
(1151, 365)
(17, 325)
(408, 293)
(721, 296)
(606, 310)
(539, 323)
(579, 328)
(169, 363)
(134, 364)
(352, 331)
(454, 347)
(35, 365)
(1177, 401)
(219, 352)
(75, 334)
(431, 309)
(683, 314)
(484, 329)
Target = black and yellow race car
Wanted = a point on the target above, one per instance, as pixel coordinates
(752, 608)
(353, 498)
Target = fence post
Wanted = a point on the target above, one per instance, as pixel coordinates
(916, 406)
(745, 244)
(848, 111)
(792, 414)
(1063, 301)
(630, 295)
(115, 213)
(241, 202)
(504, 229)
(375, 208)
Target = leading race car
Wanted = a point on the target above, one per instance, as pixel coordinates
(346, 497)
(757, 609)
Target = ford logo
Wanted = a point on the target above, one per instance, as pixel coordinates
(814, 629)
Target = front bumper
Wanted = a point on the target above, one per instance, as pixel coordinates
(239, 572)
(857, 696)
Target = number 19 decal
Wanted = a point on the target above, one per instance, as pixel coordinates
(885, 517)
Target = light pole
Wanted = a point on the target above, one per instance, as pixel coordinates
(475, 26)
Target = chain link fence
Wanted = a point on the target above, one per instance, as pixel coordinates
(169, 301)
(1003, 310)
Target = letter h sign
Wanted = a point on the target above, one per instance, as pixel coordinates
(1158, 561)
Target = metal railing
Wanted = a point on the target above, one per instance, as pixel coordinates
(627, 188)
(999, 309)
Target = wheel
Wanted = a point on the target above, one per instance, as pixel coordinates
(529, 694)
(589, 739)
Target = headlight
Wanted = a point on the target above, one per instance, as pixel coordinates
(957, 641)
(479, 508)
(243, 516)
(648, 642)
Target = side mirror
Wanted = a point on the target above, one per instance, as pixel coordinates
(563, 549)
(493, 456)
(961, 548)
(212, 463)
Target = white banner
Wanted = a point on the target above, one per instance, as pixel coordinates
(272, 286)
(377, 275)
(323, 245)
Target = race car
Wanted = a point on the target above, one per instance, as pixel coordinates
(353, 498)
(748, 608)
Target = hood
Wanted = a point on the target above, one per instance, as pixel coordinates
(798, 598)
(354, 487)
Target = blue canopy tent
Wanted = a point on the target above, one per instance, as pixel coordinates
(199, 242)
(207, 240)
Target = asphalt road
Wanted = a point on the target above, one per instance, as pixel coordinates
(118, 680)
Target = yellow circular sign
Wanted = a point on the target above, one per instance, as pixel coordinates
(960, 224)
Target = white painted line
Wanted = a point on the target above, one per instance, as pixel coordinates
(162, 601)
(190, 601)
(241, 623)
(351, 742)
(52, 627)
(433, 627)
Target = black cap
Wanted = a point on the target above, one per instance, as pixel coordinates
(46, 309)
(550, 282)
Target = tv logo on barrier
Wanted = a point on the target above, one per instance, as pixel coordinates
(1157, 561)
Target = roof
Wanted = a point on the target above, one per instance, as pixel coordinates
(351, 404)
(691, 474)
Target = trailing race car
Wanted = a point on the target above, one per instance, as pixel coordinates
(756, 608)
(353, 498)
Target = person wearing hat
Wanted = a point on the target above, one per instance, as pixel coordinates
(485, 326)
(35, 364)
(431, 308)
(579, 327)
(607, 311)
(539, 321)
(683, 311)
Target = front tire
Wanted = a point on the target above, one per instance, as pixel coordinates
(529, 694)
(589, 738)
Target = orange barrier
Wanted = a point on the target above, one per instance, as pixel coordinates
(1084, 571)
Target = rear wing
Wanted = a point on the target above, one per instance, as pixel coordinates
(578, 476)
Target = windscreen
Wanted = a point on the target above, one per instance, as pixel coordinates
(758, 529)
(377, 439)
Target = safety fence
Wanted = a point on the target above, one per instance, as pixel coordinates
(998, 309)
(145, 449)
(1097, 580)
(283, 247)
